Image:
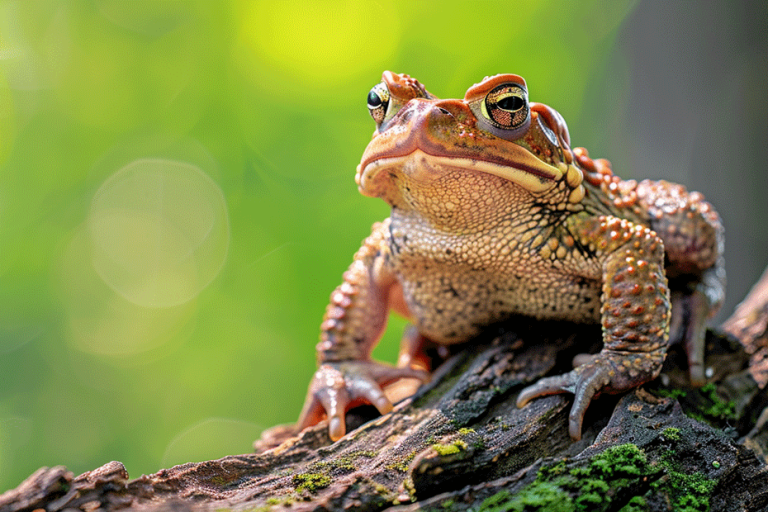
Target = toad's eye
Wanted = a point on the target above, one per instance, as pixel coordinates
(378, 102)
(511, 103)
(506, 107)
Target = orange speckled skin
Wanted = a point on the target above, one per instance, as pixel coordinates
(494, 215)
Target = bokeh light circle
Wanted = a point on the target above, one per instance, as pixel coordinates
(159, 232)
(210, 439)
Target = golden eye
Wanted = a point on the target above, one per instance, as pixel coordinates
(378, 102)
(506, 106)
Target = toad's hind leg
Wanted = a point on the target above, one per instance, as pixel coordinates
(693, 241)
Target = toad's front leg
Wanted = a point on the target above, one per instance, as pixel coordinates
(634, 314)
(353, 324)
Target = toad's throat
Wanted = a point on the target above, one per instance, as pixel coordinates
(527, 171)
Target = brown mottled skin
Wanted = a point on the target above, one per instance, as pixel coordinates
(493, 215)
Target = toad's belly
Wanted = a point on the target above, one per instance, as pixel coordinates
(453, 304)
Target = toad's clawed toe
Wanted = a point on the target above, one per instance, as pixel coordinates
(339, 386)
(605, 373)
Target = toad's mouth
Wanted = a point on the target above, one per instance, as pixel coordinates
(526, 170)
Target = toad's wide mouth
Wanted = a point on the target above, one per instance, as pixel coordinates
(526, 170)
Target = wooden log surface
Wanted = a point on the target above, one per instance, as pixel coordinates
(460, 442)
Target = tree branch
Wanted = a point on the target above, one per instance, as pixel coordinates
(460, 441)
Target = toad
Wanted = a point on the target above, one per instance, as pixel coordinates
(494, 215)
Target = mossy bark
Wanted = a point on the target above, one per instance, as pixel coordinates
(460, 443)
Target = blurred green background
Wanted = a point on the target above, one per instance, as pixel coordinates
(177, 197)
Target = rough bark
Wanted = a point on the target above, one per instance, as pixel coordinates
(750, 325)
(461, 443)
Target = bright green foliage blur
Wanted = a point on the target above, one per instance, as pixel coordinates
(177, 200)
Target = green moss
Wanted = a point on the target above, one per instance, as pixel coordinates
(626, 460)
(478, 443)
(345, 463)
(636, 504)
(718, 408)
(403, 464)
(670, 393)
(703, 405)
(585, 488)
(410, 489)
(605, 482)
(543, 496)
(368, 454)
(327, 466)
(594, 486)
(286, 501)
(399, 466)
(548, 472)
(453, 448)
(672, 433)
(311, 482)
(381, 490)
(689, 493)
(318, 475)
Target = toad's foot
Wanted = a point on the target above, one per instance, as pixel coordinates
(339, 386)
(607, 372)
